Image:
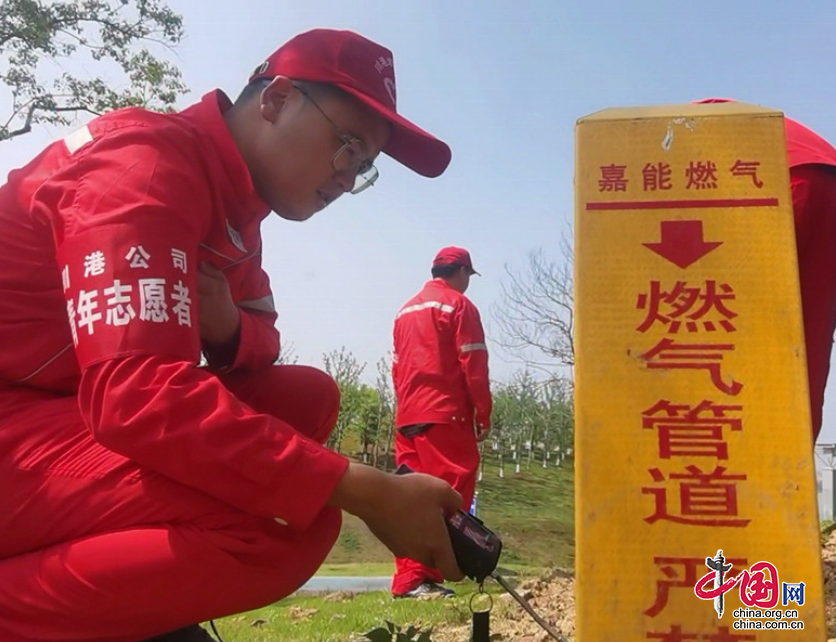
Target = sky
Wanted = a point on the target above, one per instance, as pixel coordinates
(503, 83)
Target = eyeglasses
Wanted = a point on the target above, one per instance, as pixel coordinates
(352, 156)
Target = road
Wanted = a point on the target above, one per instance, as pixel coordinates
(329, 584)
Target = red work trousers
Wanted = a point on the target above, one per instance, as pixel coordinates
(94, 548)
(448, 451)
(814, 205)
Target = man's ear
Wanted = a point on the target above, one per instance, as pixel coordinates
(274, 97)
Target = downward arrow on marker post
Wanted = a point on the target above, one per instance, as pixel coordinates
(682, 242)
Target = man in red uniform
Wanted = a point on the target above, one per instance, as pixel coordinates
(440, 372)
(141, 493)
(812, 163)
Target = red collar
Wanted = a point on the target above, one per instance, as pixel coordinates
(208, 114)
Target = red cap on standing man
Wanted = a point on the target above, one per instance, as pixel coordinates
(454, 256)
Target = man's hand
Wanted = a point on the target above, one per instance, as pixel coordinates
(405, 512)
(482, 426)
(220, 318)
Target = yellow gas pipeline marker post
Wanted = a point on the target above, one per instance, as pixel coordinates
(693, 422)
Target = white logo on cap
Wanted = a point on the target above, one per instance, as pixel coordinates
(389, 83)
(382, 63)
(261, 68)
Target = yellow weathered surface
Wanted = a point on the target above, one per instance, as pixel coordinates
(693, 424)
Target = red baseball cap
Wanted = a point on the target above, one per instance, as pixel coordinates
(365, 70)
(454, 256)
(713, 100)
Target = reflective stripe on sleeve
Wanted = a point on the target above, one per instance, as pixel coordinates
(78, 139)
(264, 304)
(469, 347)
(424, 306)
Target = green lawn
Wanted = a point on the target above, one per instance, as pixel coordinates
(342, 617)
(357, 569)
(531, 511)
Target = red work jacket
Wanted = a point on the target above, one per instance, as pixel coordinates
(805, 147)
(440, 362)
(100, 238)
(814, 208)
(814, 212)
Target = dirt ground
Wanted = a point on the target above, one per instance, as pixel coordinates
(553, 597)
(828, 557)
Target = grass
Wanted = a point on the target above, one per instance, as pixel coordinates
(342, 617)
(531, 511)
(357, 569)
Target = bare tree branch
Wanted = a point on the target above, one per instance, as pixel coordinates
(27, 126)
(534, 317)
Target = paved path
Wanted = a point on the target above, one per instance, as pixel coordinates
(330, 584)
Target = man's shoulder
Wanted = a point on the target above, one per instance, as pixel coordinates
(804, 146)
(458, 299)
(436, 291)
(429, 297)
(142, 126)
(183, 132)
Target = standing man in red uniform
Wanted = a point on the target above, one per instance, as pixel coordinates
(141, 494)
(812, 163)
(440, 372)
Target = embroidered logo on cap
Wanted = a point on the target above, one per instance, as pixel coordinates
(381, 65)
(261, 68)
(390, 89)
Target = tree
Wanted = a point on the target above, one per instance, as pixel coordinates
(369, 423)
(287, 355)
(343, 366)
(386, 399)
(534, 314)
(559, 419)
(524, 415)
(531, 415)
(114, 34)
(515, 417)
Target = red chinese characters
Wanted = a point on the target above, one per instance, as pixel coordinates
(678, 578)
(701, 175)
(686, 431)
(656, 176)
(759, 587)
(704, 498)
(659, 176)
(688, 308)
(670, 355)
(613, 178)
(691, 328)
(747, 168)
